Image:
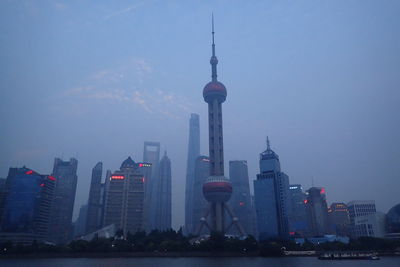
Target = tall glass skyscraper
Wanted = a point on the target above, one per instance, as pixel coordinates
(240, 201)
(271, 192)
(64, 199)
(163, 192)
(94, 206)
(297, 215)
(317, 211)
(27, 206)
(193, 153)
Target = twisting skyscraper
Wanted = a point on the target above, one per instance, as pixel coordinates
(193, 153)
(216, 189)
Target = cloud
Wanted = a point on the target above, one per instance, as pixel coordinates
(123, 11)
(129, 83)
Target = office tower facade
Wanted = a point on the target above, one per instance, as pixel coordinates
(2, 196)
(240, 201)
(297, 214)
(151, 154)
(193, 153)
(124, 206)
(339, 220)
(317, 211)
(217, 189)
(200, 204)
(370, 225)
(94, 205)
(64, 199)
(163, 191)
(80, 225)
(27, 206)
(359, 208)
(271, 192)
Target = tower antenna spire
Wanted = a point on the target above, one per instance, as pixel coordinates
(268, 144)
(213, 60)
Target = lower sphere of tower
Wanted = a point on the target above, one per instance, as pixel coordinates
(217, 189)
(214, 90)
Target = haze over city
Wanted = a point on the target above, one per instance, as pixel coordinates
(95, 80)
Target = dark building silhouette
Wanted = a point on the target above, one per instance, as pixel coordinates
(240, 201)
(297, 214)
(124, 205)
(80, 226)
(271, 193)
(338, 219)
(95, 205)
(2, 195)
(163, 192)
(64, 198)
(151, 154)
(27, 206)
(216, 189)
(200, 204)
(317, 211)
(193, 153)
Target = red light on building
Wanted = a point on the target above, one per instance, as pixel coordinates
(117, 177)
(29, 172)
(305, 201)
(41, 185)
(140, 164)
(291, 233)
(52, 178)
(322, 191)
(143, 179)
(241, 203)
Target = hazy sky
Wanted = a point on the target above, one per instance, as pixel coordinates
(95, 79)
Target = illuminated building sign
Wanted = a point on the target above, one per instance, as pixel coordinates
(52, 178)
(323, 191)
(144, 165)
(29, 172)
(117, 177)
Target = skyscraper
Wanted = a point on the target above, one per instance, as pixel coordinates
(151, 154)
(81, 223)
(124, 205)
(241, 199)
(193, 153)
(163, 191)
(201, 173)
(339, 220)
(27, 206)
(217, 189)
(64, 198)
(359, 208)
(317, 211)
(94, 206)
(297, 214)
(271, 193)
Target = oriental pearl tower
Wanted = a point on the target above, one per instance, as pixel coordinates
(217, 189)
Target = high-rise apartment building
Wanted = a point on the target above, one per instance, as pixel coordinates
(124, 205)
(64, 199)
(193, 153)
(339, 220)
(200, 204)
(317, 211)
(297, 214)
(95, 205)
(27, 206)
(240, 201)
(271, 192)
(163, 192)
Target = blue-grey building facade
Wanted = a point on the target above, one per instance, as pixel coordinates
(193, 153)
(271, 192)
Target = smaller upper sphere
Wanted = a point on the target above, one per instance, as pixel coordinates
(213, 90)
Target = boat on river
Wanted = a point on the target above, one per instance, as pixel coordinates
(348, 255)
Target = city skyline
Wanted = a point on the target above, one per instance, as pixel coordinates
(334, 125)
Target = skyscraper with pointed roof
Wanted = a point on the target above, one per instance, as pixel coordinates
(271, 193)
(163, 192)
(216, 189)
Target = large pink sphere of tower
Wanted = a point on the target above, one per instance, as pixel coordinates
(217, 189)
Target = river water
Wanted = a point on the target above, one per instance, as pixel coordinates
(197, 262)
